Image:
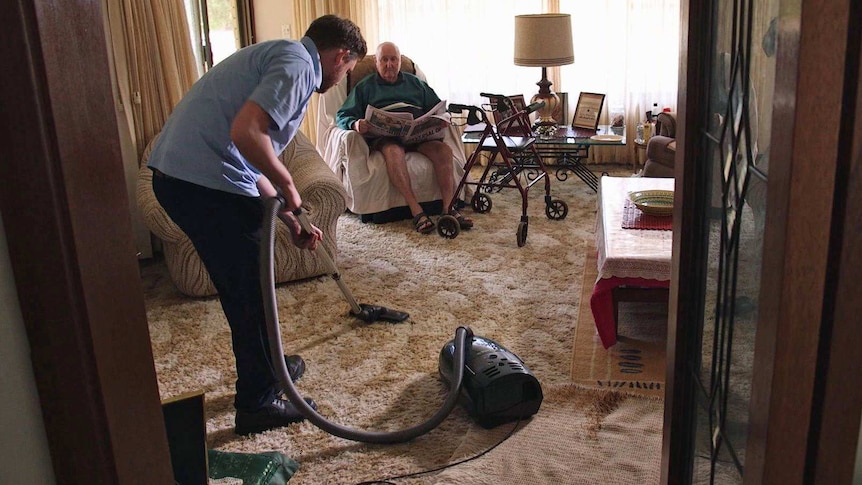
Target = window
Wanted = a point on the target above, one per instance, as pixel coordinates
(464, 48)
(219, 28)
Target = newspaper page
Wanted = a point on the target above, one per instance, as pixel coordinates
(429, 126)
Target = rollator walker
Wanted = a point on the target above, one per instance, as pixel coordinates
(512, 139)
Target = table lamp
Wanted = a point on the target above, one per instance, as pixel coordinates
(544, 40)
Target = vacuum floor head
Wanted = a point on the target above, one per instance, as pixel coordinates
(497, 387)
(372, 313)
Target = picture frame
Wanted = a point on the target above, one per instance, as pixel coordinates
(561, 113)
(588, 110)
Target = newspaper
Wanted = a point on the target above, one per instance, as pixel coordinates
(386, 122)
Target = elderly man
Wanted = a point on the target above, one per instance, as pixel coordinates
(389, 86)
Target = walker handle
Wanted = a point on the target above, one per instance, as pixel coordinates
(458, 108)
(534, 107)
(473, 117)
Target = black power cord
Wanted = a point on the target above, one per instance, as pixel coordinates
(388, 480)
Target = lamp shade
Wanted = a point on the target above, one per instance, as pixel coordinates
(543, 40)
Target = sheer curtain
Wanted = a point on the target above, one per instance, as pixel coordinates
(628, 50)
(625, 49)
(464, 48)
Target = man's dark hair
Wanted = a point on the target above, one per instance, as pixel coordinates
(333, 32)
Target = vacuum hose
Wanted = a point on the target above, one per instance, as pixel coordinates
(463, 336)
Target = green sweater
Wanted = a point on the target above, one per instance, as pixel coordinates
(374, 91)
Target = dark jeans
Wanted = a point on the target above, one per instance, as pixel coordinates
(226, 232)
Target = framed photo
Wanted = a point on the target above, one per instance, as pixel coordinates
(588, 110)
(561, 113)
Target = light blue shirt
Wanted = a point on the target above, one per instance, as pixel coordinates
(195, 145)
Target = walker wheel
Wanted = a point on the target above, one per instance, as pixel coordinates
(481, 203)
(448, 227)
(522, 234)
(557, 210)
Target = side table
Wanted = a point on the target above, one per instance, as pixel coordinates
(638, 258)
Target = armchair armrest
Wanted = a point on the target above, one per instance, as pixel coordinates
(343, 145)
(319, 187)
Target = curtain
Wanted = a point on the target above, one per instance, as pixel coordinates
(628, 50)
(625, 49)
(159, 62)
(464, 48)
(361, 13)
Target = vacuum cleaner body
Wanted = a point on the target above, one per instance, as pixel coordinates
(497, 387)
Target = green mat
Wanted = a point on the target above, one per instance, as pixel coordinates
(271, 468)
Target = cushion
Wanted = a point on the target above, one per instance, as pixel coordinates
(270, 468)
(366, 67)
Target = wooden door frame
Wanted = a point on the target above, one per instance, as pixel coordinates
(793, 436)
(804, 416)
(66, 218)
(690, 231)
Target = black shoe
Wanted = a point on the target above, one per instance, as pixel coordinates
(276, 414)
(295, 366)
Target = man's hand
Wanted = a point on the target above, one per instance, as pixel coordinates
(361, 127)
(299, 237)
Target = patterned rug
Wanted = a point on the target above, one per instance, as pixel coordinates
(385, 377)
(636, 363)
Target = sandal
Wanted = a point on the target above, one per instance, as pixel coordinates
(463, 222)
(422, 224)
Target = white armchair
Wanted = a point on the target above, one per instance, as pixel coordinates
(369, 192)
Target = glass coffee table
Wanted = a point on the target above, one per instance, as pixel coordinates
(565, 147)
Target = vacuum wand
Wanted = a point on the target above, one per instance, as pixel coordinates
(306, 226)
(364, 312)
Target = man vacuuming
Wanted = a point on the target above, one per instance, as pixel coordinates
(216, 158)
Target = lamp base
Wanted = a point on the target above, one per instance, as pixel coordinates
(545, 115)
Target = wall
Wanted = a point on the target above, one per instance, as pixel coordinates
(269, 18)
(24, 456)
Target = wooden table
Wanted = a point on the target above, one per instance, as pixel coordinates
(627, 258)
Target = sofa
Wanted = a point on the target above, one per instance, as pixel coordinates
(322, 195)
(363, 173)
(661, 148)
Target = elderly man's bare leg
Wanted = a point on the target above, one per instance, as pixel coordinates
(396, 168)
(440, 155)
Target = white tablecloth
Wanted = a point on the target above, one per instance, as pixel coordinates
(630, 253)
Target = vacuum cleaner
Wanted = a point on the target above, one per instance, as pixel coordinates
(492, 383)
(497, 387)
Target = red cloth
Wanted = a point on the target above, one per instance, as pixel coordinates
(602, 303)
(634, 218)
